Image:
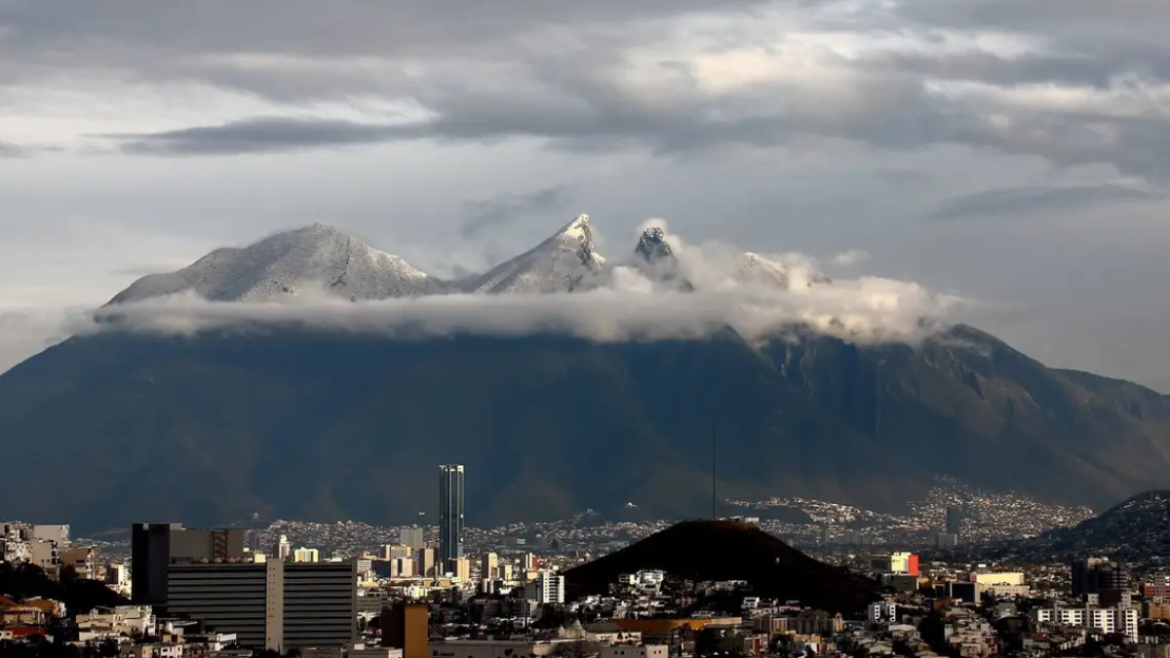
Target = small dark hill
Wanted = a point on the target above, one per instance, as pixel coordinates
(26, 581)
(729, 550)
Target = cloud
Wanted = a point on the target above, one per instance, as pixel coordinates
(257, 135)
(850, 257)
(24, 332)
(1032, 200)
(491, 213)
(1064, 82)
(621, 304)
(10, 150)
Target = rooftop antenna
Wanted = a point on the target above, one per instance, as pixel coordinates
(714, 473)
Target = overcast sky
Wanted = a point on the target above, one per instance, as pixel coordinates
(1010, 151)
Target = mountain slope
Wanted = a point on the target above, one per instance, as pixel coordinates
(727, 550)
(287, 264)
(210, 429)
(561, 263)
(319, 425)
(1138, 528)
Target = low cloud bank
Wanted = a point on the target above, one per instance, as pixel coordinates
(625, 302)
(866, 310)
(710, 288)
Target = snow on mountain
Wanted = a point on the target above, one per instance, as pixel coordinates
(287, 264)
(754, 268)
(562, 263)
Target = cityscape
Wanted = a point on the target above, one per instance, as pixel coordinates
(597, 329)
(350, 589)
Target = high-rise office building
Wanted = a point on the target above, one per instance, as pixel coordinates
(154, 546)
(548, 588)
(954, 521)
(1101, 578)
(489, 567)
(270, 605)
(395, 551)
(426, 563)
(414, 537)
(450, 515)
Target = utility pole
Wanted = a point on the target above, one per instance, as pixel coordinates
(714, 472)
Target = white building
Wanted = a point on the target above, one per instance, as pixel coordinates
(999, 578)
(651, 577)
(402, 567)
(882, 612)
(548, 588)
(1105, 620)
(303, 554)
(54, 532)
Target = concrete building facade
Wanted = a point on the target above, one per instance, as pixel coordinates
(272, 605)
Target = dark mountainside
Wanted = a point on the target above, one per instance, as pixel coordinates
(117, 428)
(727, 550)
(1136, 528)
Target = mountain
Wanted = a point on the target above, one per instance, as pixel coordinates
(726, 550)
(1138, 528)
(121, 426)
(652, 246)
(655, 259)
(561, 263)
(754, 268)
(288, 264)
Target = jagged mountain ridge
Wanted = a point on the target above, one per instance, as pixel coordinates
(323, 258)
(212, 428)
(559, 264)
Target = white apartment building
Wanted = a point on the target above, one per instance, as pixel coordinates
(548, 588)
(1105, 620)
(882, 612)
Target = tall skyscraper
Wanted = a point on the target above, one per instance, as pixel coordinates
(954, 521)
(450, 514)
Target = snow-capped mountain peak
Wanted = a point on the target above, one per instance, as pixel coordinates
(564, 262)
(287, 264)
(754, 268)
